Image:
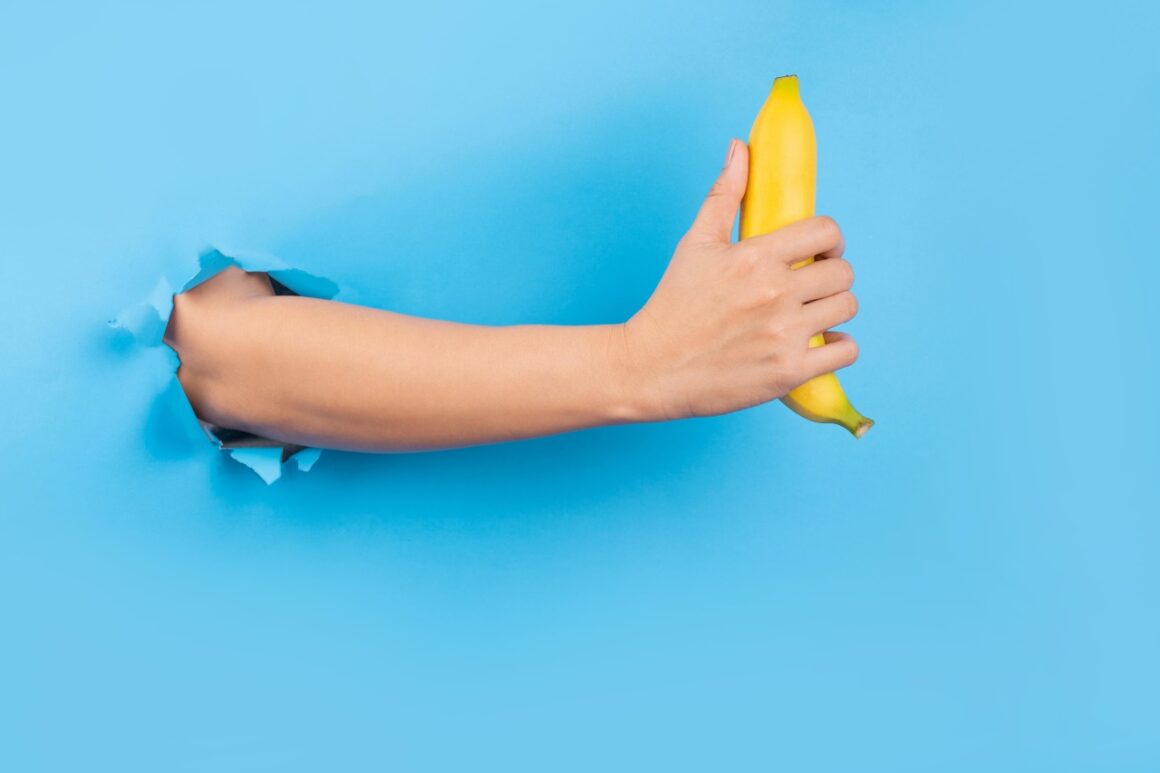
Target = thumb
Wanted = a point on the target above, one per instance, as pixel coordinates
(714, 222)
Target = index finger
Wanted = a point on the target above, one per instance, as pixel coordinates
(814, 237)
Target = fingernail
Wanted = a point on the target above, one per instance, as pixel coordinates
(732, 152)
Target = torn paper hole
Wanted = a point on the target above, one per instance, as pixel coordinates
(146, 322)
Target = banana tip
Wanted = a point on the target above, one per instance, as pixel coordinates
(863, 427)
(786, 82)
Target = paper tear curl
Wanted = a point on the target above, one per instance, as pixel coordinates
(146, 322)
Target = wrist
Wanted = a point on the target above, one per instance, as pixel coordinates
(629, 397)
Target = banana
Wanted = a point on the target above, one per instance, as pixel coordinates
(782, 185)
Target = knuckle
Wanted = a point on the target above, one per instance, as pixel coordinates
(781, 299)
(178, 328)
(196, 391)
(180, 305)
(777, 334)
(211, 398)
(739, 268)
(747, 256)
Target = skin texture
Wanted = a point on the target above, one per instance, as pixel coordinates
(727, 328)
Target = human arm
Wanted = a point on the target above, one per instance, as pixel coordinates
(727, 328)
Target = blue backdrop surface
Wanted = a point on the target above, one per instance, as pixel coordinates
(973, 586)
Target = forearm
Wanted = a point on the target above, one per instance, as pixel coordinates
(330, 374)
(728, 327)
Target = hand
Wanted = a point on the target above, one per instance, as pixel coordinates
(729, 324)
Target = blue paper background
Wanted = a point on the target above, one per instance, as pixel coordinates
(972, 587)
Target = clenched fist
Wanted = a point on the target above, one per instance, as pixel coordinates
(729, 324)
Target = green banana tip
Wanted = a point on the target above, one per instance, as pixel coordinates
(786, 82)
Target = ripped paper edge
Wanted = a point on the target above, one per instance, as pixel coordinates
(147, 319)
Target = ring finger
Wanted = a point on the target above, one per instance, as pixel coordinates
(825, 313)
(823, 278)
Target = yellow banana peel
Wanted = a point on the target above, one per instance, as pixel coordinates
(782, 186)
